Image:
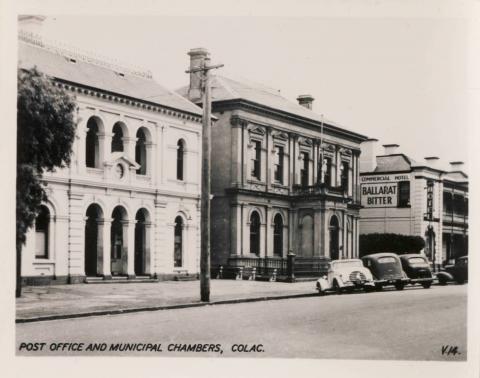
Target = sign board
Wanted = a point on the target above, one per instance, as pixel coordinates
(381, 190)
(430, 200)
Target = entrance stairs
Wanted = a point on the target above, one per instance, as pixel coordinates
(120, 279)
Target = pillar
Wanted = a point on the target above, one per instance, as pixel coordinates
(128, 258)
(104, 266)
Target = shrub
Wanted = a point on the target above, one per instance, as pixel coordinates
(396, 243)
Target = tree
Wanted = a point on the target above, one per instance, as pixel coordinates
(45, 134)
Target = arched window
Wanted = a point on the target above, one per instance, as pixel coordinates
(334, 238)
(92, 145)
(180, 159)
(141, 152)
(255, 233)
(278, 235)
(41, 233)
(178, 242)
(117, 138)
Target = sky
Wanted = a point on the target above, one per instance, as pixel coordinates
(399, 80)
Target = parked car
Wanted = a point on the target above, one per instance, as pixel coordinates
(386, 270)
(457, 272)
(417, 268)
(345, 275)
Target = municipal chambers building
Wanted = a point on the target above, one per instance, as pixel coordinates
(284, 179)
(128, 205)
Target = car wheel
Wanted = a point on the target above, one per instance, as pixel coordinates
(442, 281)
(378, 287)
(336, 287)
(368, 289)
(399, 286)
(460, 281)
(426, 285)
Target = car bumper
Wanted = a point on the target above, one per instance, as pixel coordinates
(358, 284)
(392, 281)
(421, 280)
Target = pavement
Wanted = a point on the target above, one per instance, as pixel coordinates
(412, 324)
(72, 301)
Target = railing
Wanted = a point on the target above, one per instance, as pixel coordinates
(455, 217)
(311, 266)
(317, 189)
(271, 267)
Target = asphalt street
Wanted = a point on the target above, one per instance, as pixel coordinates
(413, 324)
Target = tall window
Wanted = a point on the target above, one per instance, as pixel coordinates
(404, 193)
(304, 168)
(256, 159)
(178, 243)
(447, 202)
(278, 235)
(41, 233)
(141, 152)
(117, 138)
(180, 159)
(255, 233)
(344, 175)
(327, 166)
(92, 145)
(278, 168)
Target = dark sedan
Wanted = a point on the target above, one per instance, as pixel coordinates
(386, 269)
(417, 268)
(457, 272)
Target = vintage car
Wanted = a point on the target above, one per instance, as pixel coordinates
(345, 275)
(457, 272)
(386, 270)
(417, 268)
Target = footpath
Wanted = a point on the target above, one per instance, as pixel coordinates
(71, 301)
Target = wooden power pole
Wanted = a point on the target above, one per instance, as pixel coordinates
(206, 171)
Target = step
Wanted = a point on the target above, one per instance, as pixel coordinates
(185, 278)
(120, 279)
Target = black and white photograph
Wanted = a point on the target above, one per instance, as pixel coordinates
(275, 189)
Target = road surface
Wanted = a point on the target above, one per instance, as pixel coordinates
(413, 324)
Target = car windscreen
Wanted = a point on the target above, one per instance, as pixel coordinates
(346, 264)
(387, 260)
(417, 261)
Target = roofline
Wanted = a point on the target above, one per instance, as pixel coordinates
(151, 103)
(256, 106)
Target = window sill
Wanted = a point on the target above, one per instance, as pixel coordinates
(40, 261)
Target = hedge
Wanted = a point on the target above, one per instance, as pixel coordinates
(396, 243)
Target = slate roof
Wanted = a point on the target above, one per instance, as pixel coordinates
(95, 76)
(227, 88)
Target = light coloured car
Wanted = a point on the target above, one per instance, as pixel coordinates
(346, 275)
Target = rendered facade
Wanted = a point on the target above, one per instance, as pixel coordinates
(404, 196)
(128, 205)
(283, 179)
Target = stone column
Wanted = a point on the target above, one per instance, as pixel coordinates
(268, 232)
(76, 238)
(317, 225)
(104, 148)
(268, 159)
(81, 141)
(315, 162)
(236, 229)
(129, 144)
(148, 242)
(151, 162)
(246, 154)
(104, 265)
(128, 258)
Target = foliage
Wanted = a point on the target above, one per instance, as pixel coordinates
(45, 134)
(396, 243)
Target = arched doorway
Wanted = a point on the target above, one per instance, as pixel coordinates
(42, 229)
(278, 235)
(334, 230)
(142, 250)
(306, 246)
(255, 233)
(118, 240)
(93, 241)
(141, 152)
(178, 243)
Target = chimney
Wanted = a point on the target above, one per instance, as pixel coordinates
(31, 24)
(306, 101)
(457, 165)
(368, 156)
(433, 161)
(390, 149)
(197, 60)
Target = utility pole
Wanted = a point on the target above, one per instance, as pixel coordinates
(206, 171)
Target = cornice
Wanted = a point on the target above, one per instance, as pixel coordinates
(279, 114)
(126, 100)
